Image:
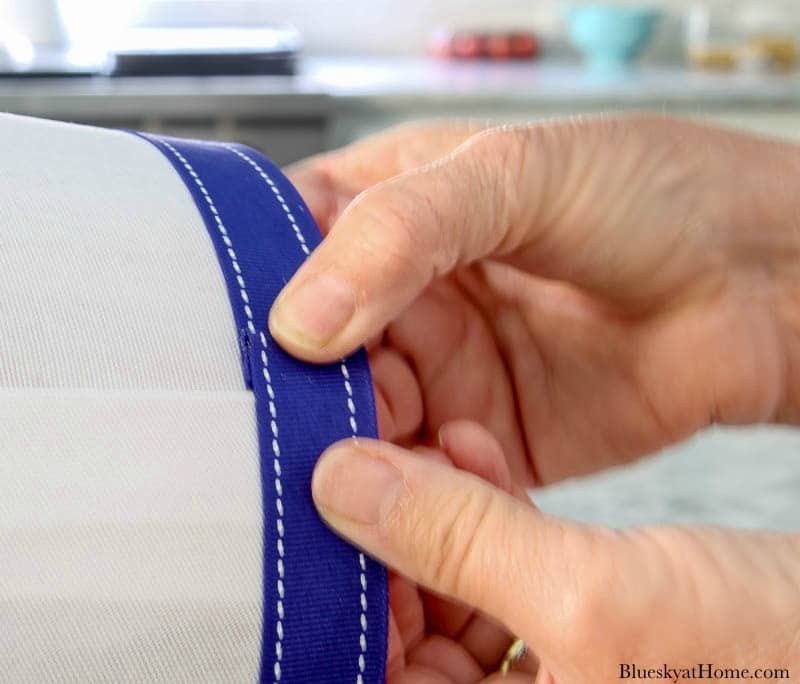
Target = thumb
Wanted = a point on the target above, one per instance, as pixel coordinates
(396, 237)
(584, 598)
(456, 535)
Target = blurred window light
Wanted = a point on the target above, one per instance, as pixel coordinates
(96, 25)
(86, 32)
(17, 47)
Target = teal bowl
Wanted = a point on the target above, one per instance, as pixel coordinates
(608, 35)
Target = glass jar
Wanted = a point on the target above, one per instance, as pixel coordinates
(746, 36)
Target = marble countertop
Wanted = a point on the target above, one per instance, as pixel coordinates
(744, 477)
(326, 83)
(401, 82)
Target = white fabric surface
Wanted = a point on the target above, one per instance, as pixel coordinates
(130, 505)
(109, 278)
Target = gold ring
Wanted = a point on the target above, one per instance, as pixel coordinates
(514, 654)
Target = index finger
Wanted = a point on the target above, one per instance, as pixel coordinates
(328, 182)
(402, 233)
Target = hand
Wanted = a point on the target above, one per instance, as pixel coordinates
(432, 638)
(589, 291)
(587, 600)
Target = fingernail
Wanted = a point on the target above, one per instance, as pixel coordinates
(314, 312)
(440, 437)
(355, 486)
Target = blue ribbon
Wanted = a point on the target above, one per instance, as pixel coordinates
(325, 604)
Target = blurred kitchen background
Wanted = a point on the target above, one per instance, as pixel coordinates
(295, 77)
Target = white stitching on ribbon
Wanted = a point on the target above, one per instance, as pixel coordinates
(362, 640)
(351, 407)
(275, 191)
(276, 451)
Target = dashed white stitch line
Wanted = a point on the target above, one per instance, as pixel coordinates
(351, 407)
(263, 175)
(362, 640)
(274, 426)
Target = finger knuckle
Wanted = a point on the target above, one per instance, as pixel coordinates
(508, 163)
(457, 558)
(398, 233)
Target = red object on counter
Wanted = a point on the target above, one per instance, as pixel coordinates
(479, 44)
(466, 45)
(524, 45)
(498, 46)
